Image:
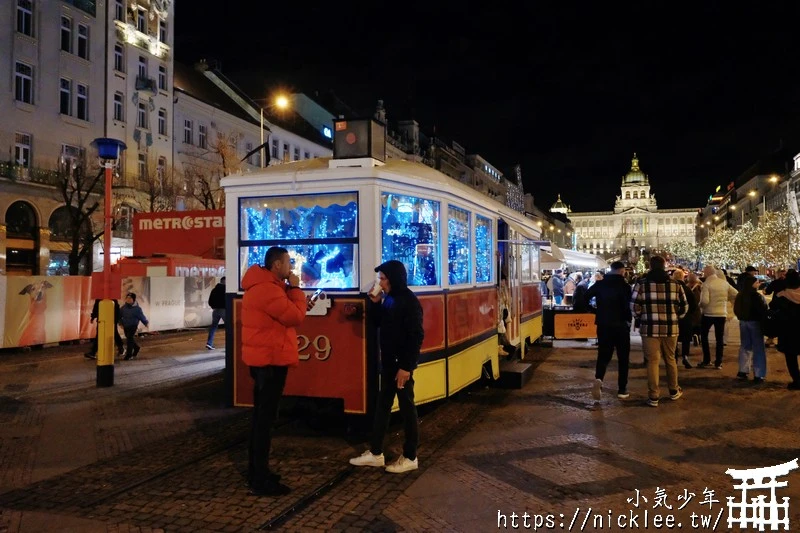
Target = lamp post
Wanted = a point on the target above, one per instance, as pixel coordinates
(281, 102)
(109, 151)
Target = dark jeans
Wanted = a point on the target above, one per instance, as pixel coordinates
(117, 340)
(130, 336)
(719, 331)
(609, 338)
(268, 383)
(216, 316)
(408, 410)
(793, 367)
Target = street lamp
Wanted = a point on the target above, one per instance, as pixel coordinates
(281, 102)
(109, 151)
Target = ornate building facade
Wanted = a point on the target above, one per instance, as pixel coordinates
(635, 225)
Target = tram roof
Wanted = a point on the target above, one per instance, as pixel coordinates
(311, 169)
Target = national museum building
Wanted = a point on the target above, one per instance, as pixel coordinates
(635, 223)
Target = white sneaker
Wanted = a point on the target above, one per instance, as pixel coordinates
(403, 465)
(597, 389)
(368, 459)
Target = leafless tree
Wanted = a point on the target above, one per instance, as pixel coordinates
(202, 175)
(159, 186)
(81, 189)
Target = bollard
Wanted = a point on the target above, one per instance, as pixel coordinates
(105, 344)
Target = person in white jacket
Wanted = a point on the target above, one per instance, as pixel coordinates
(714, 298)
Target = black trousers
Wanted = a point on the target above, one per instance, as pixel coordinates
(408, 410)
(793, 367)
(268, 383)
(117, 340)
(609, 338)
(130, 336)
(719, 331)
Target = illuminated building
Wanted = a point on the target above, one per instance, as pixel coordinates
(635, 222)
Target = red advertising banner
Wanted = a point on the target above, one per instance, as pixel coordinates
(200, 233)
(333, 358)
(470, 313)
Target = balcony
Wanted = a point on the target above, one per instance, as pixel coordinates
(146, 84)
(22, 174)
(87, 6)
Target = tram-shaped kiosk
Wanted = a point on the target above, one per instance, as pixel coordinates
(339, 219)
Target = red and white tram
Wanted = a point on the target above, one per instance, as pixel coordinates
(339, 219)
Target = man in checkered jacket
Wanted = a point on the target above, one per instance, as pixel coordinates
(659, 302)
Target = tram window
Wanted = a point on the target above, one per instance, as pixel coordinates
(410, 234)
(458, 242)
(320, 232)
(483, 249)
(525, 259)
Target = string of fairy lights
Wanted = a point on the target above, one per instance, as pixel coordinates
(774, 242)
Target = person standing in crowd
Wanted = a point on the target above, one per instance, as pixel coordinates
(571, 284)
(130, 315)
(216, 301)
(787, 306)
(724, 275)
(687, 323)
(751, 309)
(714, 299)
(659, 302)
(117, 339)
(399, 319)
(557, 289)
(775, 286)
(612, 295)
(272, 307)
(579, 302)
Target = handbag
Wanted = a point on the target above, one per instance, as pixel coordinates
(501, 327)
(771, 324)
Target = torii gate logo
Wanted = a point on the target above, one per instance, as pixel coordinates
(757, 511)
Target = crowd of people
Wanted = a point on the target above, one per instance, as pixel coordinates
(671, 311)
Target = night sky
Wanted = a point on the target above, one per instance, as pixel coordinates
(568, 89)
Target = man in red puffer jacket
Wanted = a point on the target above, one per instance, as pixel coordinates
(271, 309)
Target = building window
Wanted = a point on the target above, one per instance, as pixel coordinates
(201, 136)
(23, 83)
(25, 17)
(119, 11)
(83, 102)
(162, 166)
(83, 41)
(275, 148)
(142, 67)
(162, 121)
(627, 195)
(118, 112)
(285, 151)
(162, 31)
(119, 58)
(162, 77)
(141, 115)
(142, 166)
(22, 149)
(141, 20)
(296, 154)
(188, 130)
(66, 34)
(307, 155)
(71, 156)
(65, 97)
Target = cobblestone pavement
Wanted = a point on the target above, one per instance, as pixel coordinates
(170, 457)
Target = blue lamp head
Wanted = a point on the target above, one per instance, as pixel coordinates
(108, 148)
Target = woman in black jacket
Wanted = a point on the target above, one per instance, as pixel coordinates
(686, 324)
(751, 310)
(787, 306)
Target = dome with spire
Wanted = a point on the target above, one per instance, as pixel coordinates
(560, 207)
(635, 176)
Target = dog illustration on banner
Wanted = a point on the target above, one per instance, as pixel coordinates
(33, 324)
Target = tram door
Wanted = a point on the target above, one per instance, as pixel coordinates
(509, 257)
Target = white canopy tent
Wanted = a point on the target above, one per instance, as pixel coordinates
(553, 258)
